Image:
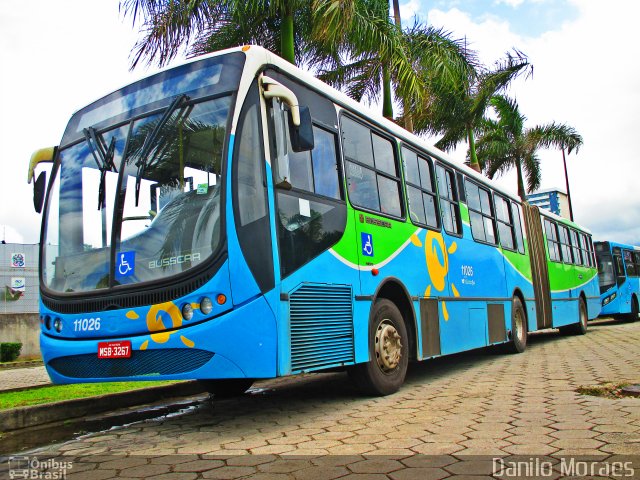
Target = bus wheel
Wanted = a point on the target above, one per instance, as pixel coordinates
(384, 373)
(579, 328)
(518, 342)
(633, 316)
(227, 387)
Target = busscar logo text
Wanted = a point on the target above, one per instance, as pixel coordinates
(168, 261)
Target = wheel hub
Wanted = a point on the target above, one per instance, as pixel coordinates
(388, 347)
(519, 326)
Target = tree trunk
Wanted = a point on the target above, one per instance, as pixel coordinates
(387, 105)
(473, 158)
(287, 50)
(396, 12)
(522, 193)
(408, 118)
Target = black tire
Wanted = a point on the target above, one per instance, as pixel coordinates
(519, 331)
(228, 387)
(384, 373)
(633, 316)
(579, 328)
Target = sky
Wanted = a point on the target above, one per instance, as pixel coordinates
(585, 74)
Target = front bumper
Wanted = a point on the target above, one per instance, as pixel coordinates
(238, 344)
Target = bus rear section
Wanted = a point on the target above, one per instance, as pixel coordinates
(564, 271)
(619, 273)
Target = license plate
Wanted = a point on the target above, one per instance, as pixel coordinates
(114, 349)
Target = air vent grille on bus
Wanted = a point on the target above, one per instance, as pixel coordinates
(321, 326)
(142, 362)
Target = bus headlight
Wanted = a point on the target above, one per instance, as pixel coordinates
(187, 311)
(206, 305)
(57, 325)
(47, 322)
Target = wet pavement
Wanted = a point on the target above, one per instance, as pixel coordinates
(454, 416)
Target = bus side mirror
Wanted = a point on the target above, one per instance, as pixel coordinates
(44, 155)
(301, 135)
(38, 191)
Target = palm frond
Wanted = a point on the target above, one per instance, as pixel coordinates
(532, 172)
(167, 27)
(452, 137)
(511, 120)
(359, 79)
(493, 81)
(558, 135)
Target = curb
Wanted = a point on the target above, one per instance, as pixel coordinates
(27, 364)
(26, 417)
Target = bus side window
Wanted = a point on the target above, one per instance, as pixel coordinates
(592, 253)
(316, 171)
(372, 171)
(575, 247)
(552, 241)
(481, 214)
(250, 195)
(619, 265)
(251, 198)
(420, 189)
(567, 256)
(517, 223)
(506, 223)
(630, 264)
(636, 260)
(449, 207)
(584, 250)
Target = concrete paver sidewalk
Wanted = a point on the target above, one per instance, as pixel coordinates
(13, 378)
(451, 417)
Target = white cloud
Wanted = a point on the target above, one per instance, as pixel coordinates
(584, 75)
(10, 235)
(409, 10)
(54, 63)
(511, 3)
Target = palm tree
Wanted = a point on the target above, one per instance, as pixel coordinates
(202, 26)
(374, 56)
(458, 106)
(319, 33)
(505, 143)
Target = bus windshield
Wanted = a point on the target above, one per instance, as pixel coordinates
(137, 198)
(169, 216)
(606, 270)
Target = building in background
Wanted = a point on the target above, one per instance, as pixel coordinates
(19, 282)
(551, 199)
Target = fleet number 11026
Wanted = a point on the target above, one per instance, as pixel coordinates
(86, 324)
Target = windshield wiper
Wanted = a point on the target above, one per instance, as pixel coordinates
(150, 140)
(103, 155)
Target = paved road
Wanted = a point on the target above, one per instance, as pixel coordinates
(449, 411)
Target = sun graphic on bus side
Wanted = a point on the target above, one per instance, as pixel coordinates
(437, 257)
(155, 323)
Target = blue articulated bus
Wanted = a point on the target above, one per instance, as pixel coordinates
(619, 274)
(234, 218)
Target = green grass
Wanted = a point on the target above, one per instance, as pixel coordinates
(606, 390)
(57, 393)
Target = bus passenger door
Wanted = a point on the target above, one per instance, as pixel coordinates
(624, 287)
(316, 289)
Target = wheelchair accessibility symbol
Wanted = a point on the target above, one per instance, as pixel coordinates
(367, 244)
(125, 264)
